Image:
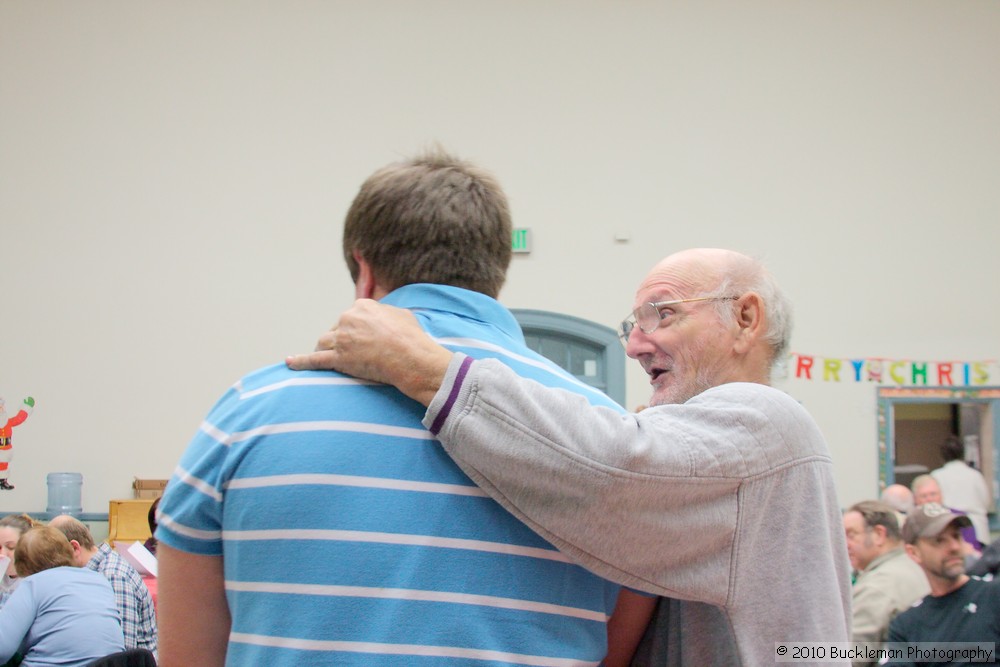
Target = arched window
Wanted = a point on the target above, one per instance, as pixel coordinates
(588, 350)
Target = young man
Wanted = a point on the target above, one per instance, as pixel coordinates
(314, 521)
(720, 496)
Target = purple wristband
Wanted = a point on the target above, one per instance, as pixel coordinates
(452, 396)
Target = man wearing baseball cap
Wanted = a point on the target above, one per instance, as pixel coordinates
(959, 608)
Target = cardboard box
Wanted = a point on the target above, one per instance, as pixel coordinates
(149, 488)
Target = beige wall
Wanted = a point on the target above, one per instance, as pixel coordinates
(173, 176)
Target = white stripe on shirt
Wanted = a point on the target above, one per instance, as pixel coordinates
(417, 595)
(319, 426)
(406, 649)
(394, 538)
(304, 382)
(356, 481)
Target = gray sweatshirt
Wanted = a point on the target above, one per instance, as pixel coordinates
(725, 503)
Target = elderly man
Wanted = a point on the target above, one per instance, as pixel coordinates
(888, 581)
(899, 498)
(959, 608)
(135, 604)
(719, 496)
(927, 490)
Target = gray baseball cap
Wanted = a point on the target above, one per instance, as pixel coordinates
(929, 520)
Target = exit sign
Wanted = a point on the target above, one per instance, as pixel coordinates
(521, 240)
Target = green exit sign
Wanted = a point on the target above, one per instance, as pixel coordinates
(521, 240)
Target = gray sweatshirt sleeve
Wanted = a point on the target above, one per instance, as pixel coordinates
(621, 494)
(727, 499)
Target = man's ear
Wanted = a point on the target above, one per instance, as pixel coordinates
(364, 286)
(750, 321)
(368, 286)
(913, 554)
(880, 533)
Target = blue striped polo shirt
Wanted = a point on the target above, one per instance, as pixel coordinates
(349, 537)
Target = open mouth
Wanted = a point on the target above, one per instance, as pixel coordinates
(655, 372)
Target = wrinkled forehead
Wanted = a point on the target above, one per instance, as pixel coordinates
(677, 278)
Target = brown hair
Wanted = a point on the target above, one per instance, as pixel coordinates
(431, 219)
(877, 513)
(952, 449)
(151, 515)
(42, 548)
(22, 522)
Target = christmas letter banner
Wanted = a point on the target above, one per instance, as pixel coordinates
(900, 372)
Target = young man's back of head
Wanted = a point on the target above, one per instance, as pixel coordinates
(431, 219)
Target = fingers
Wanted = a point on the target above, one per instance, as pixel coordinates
(314, 361)
(367, 341)
(327, 341)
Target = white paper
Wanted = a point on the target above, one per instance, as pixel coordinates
(138, 556)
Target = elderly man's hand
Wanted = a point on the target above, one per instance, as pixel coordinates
(383, 343)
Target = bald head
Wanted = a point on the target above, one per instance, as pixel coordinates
(898, 497)
(78, 535)
(703, 318)
(724, 272)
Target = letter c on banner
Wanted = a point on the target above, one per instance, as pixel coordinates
(893, 368)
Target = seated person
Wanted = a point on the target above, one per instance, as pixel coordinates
(927, 490)
(988, 565)
(12, 527)
(900, 499)
(959, 608)
(135, 602)
(150, 543)
(889, 582)
(60, 614)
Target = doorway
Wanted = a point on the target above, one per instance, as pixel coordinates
(913, 422)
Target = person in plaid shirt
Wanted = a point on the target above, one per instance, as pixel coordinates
(135, 604)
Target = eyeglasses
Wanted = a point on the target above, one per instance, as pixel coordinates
(649, 316)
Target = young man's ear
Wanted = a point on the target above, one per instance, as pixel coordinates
(364, 286)
(367, 286)
(914, 555)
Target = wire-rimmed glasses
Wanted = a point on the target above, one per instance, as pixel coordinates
(649, 317)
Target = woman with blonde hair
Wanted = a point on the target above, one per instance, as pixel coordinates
(60, 614)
